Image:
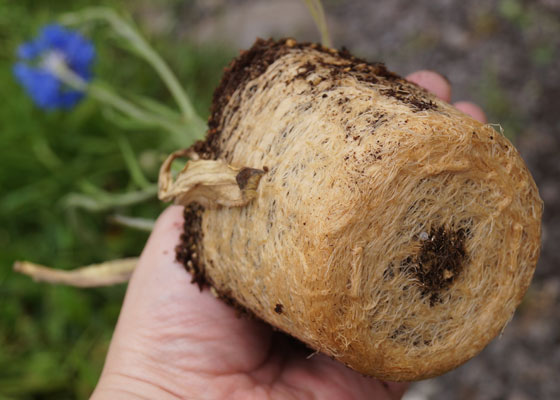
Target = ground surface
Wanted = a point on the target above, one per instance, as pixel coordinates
(505, 56)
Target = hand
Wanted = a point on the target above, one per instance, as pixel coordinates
(174, 342)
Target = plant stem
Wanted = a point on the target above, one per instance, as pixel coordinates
(141, 46)
(95, 275)
(317, 11)
(45, 154)
(103, 203)
(131, 162)
(141, 224)
(106, 96)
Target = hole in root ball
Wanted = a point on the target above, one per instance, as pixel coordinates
(438, 263)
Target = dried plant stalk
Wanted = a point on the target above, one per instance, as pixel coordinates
(95, 275)
(391, 231)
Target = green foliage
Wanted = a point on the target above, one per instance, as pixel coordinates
(514, 11)
(543, 54)
(498, 104)
(53, 339)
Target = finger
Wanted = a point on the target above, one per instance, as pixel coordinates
(433, 82)
(471, 109)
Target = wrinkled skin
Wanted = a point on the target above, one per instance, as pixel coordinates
(173, 341)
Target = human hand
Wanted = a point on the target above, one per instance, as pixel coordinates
(173, 341)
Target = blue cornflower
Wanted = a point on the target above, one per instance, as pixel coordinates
(55, 50)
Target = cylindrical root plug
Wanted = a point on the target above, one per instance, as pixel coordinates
(388, 229)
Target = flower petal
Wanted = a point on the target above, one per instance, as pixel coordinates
(69, 98)
(42, 86)
(46, 90)
(28, 50)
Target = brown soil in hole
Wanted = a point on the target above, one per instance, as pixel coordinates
(438, 263)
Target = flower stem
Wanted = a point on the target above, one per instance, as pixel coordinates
(105, 95)
(140, 45)
(182, 133)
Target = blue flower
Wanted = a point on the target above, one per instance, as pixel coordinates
(54, 47)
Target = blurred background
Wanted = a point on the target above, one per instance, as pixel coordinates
(502, 54)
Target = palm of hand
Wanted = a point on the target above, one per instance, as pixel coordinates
(173, 341)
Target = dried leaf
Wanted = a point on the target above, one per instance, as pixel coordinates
(210, 183)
